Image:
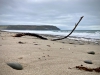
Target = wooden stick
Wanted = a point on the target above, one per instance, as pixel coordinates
(44, 38)
(70, 32)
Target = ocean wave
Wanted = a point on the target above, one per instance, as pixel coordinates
(81, 34)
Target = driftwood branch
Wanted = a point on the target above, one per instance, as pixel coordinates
(70, 32)
(44, 38)
(30, 34)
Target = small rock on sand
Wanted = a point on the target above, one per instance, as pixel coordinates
(48, 45)
(21, 42)
(88, 62)
(16, 66)
(20, 58)
(71, 43)
(91, 52)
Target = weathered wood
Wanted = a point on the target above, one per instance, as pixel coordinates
(44, 38)
(36, 35)
(30, 34)
(70, 32)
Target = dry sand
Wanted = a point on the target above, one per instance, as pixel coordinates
(45, 57)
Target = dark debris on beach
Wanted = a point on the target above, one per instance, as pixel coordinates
(21, 42)
(88, 69)
(30, 34)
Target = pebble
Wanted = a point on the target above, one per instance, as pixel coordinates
(35, 44)
(43, 56)
(63, 42)
(20, 58)
(20, 42)
(39, 58)
(48, 45)
(71, 43)
(91, 52)
(48, 55)
(88, 62)
(16, 66)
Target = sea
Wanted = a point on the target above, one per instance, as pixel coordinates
(86, 35)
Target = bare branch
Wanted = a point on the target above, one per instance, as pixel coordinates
(70, 32)
(44, 38)
(30, 34)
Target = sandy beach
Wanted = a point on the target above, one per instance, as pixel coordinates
(46, 57)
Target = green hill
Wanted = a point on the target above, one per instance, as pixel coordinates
(28, 27)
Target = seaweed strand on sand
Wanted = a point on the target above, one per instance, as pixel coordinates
(88, 69)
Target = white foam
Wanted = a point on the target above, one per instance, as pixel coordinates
(81, 35)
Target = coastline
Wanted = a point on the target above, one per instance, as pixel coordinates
(73, 40)
(46, 57)
(80, 35)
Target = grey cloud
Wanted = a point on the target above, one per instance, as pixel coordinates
(61, 13)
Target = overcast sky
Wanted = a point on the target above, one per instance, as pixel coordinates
(61, 13)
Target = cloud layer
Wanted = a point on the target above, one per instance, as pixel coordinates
(61, 13)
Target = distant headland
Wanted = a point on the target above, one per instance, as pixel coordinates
(28, 27)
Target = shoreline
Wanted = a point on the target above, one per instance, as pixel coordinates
(80, 37)
(70, 39)
(74, 39)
